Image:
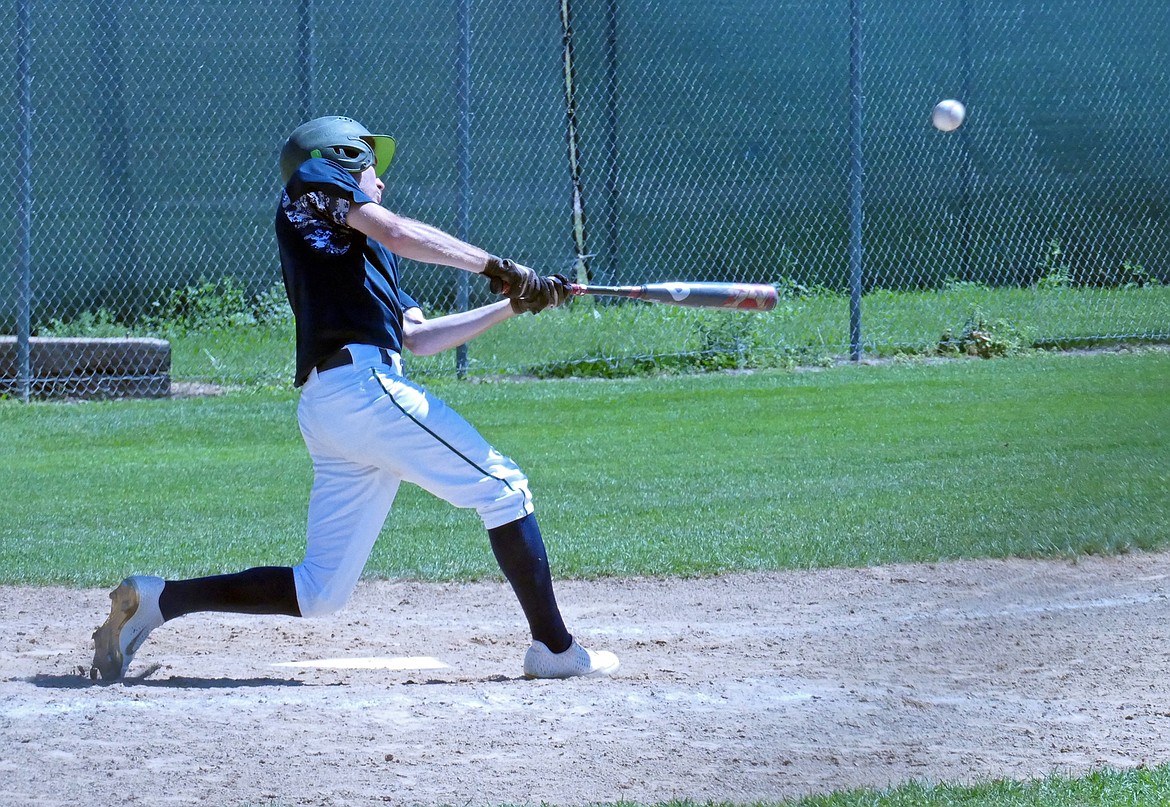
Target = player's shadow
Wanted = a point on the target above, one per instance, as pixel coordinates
(82, 681)
(489, 679)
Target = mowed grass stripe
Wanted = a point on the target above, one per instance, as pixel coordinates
(1035, 456)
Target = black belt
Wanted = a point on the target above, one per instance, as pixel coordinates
(342, 358)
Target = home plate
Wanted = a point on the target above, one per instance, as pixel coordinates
(375, 663)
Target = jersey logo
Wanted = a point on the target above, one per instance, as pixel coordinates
(321, 221)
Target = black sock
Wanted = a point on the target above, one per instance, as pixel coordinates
(519, 549)
(263, 590)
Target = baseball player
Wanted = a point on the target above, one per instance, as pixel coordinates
(367, 427)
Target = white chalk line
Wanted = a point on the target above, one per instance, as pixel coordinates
(371, 663)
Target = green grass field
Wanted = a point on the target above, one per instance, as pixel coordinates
(1040, 455)
(1107, 788)
(1043, 455)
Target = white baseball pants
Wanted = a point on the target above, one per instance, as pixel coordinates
(367, 429)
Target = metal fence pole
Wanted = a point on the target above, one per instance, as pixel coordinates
(573, 141)
(611, 264)
(25, 194)
(463, 192)
(967, 164)
(305, 59)
(856, 179)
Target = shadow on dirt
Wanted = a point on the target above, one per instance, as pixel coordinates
(81, 680)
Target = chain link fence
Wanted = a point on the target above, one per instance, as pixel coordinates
(625, 140)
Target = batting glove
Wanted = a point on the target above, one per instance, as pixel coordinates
(548, 292)
(510, 278)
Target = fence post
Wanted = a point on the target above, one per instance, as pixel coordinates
(612, 261)
(580, 271)
(25, 196)
(967, 164)
(463, 160)
(856, 179)
(306, 59)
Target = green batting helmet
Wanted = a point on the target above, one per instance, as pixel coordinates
(341, 140)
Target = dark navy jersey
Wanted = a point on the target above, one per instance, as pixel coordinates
(342, 286)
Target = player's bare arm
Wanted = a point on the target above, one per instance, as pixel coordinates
(425, 337)
(419, 241)
(416, 240)
(422, 242)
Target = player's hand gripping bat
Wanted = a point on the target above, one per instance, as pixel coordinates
(740, 296)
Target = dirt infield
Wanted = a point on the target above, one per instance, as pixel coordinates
(738, 688)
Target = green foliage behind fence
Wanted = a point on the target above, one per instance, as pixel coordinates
(220, 334)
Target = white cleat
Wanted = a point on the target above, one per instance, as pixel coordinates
(134, 613)
(540, 662)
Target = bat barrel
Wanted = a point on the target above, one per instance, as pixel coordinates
(738, 296)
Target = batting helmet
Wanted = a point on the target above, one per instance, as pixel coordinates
(341, 140)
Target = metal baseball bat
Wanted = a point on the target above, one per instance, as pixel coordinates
(740, 296)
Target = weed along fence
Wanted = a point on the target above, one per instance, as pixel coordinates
(616, 141)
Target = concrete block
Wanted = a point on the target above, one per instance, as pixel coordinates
(83, 367)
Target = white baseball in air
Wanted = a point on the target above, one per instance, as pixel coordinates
(948, 115)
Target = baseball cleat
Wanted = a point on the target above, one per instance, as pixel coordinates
(134, 613)
(540, 662)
